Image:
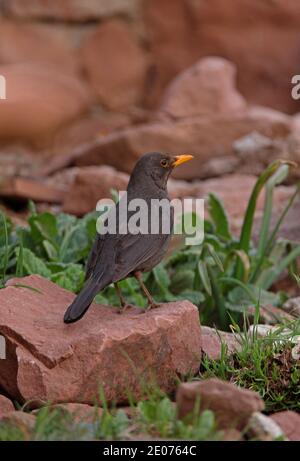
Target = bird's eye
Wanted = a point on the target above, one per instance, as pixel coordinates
(164, 163)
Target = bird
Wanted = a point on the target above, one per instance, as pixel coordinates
(116, 256)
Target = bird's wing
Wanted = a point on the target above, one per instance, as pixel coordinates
(134, 250)
(94, 256)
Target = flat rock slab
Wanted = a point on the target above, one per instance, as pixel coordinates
(120, 354)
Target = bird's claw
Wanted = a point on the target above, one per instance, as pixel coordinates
(151, 306)
(124, 308)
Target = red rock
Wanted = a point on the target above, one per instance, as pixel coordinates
(232, 435)
(50, 97)
(243, 31)
(31, 189)
(206, 88)
(30, 42)
(232, 405)
(80, 412)
(24, 421)
(69, 10)
(6, 406)
(50, 361)
(90, 185)
(88, 128)
(115, 65)
(212, 341)
(289, 421)
(204, 137)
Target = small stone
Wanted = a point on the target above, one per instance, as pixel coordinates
(261, 427)
(289, 421)
(232, 405)
(212, 342)
(292, 306)
(80, 412)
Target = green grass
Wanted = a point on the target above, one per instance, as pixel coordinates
(264, 365)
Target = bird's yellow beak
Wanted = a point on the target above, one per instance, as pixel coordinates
(179, 159)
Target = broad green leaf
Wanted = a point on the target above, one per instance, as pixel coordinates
(43, 227)
(219, 216)
(32, 264)
(182, 280)
(195, 297)
(71, 279)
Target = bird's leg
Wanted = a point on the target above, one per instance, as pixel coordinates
(124, 304)
(151, 303)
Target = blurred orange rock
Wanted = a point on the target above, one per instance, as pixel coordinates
(115, 64)
(207, 88)
(261, 38)
(69, 10)
(32, 42)
(90, 185)
(87, 128)
(207, 138)
(39, 100)
(31, 189)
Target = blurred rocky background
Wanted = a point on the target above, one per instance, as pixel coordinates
(93, 84)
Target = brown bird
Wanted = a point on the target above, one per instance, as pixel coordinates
(116, 256)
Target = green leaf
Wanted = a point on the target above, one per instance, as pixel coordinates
(4, 232)
(195, 297)
(182, 280)
(215, 256)
(249, 295)
(71, 279)
(244, 260)
(246, 231)
(32, 264)
(50, 250)
(43, 227)
(19, 268)
(202, 269)
(219, 216)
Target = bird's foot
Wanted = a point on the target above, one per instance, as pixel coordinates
(125, 307)
(152, 305)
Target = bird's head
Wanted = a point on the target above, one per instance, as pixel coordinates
(158, 166)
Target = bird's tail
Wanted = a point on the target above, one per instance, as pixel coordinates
(82, 301)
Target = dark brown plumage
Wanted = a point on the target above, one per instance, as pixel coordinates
(117, 256)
